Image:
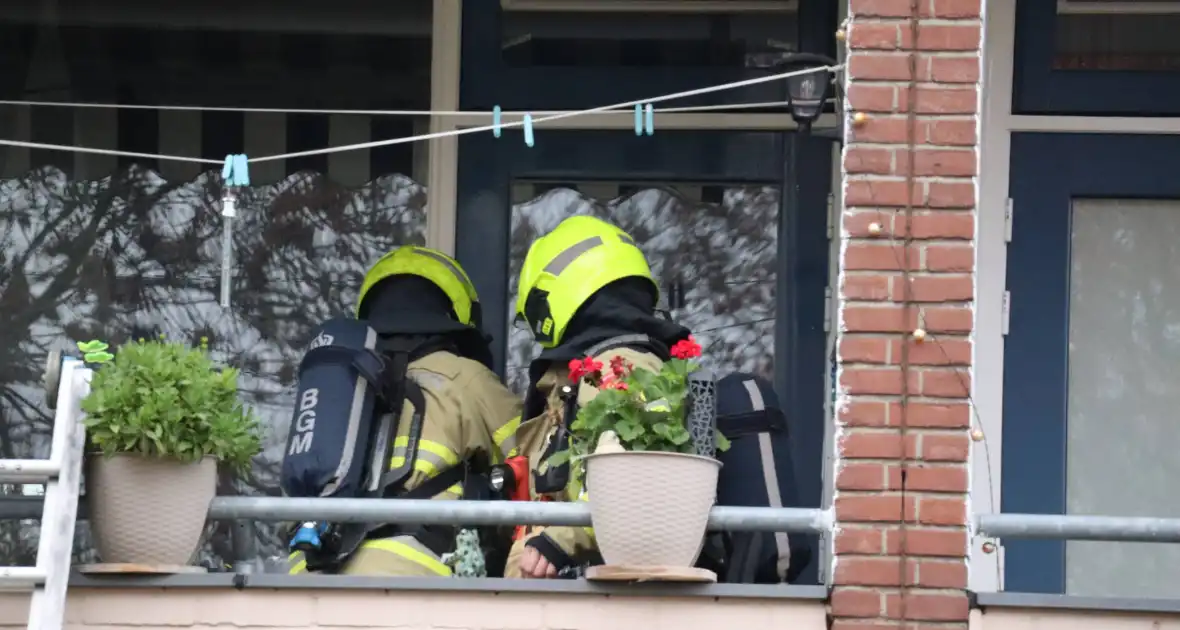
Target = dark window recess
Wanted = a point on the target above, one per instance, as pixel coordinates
(391, 158)
(536, 39)
(541, 188)
(307, 132)
(222, 133)
(713, 194)
(1117, 42)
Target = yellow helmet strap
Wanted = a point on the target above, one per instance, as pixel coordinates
(538, 316)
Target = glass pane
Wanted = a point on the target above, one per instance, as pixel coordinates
(99, 247)
(1117, 42)
(623, 39)
(1124, 341)
(720, 243)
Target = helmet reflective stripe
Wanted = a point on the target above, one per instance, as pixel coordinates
(565, 258)
(438, 268)
(452, 266)
(565, 267)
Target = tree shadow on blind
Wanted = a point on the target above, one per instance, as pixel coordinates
(134, 255)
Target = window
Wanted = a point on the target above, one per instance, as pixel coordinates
(1100, 40)
(1124, 354)
(631, 39)
(93, 246)
(1097, 58)
(716, 245)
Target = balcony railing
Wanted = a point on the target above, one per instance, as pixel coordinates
(247, 510)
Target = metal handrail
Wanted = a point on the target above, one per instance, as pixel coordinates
(445, 512)
(1079, 527)
(442, 512)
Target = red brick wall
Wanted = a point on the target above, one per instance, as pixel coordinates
(903, 419)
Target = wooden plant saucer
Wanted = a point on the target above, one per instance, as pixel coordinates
(633, 573)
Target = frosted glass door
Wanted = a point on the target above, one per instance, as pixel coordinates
(1123, 446)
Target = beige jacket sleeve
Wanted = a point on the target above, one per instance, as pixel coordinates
(578, 541)
(492, 414)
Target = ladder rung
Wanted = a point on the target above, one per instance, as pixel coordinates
(28, 470)
(21, 577)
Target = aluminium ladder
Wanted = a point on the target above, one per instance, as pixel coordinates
(62, 476)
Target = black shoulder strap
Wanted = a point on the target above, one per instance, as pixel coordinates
(769, 420)
(395, 478)
(437, 484)
(396, 387)
(556, 478)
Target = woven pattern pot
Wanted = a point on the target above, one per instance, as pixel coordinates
(650, 508)
(148, 511)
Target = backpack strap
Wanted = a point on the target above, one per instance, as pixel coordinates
(393, 480)
(396, 387)
(556, 478)
(366, 362)
(769, 420)
(630, 341)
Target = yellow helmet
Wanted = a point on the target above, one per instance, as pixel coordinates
(433, 265)
(568, 265)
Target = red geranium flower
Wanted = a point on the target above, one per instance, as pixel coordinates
(584, 368)
(576, 371)
(613, 382)
(619, 367)
(686, 348)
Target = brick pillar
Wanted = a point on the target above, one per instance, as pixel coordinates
(903, 415)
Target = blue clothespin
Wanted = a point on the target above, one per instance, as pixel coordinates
(235, 173)
(644, 119)
(496, 121)
(236, 170)
(528, 130)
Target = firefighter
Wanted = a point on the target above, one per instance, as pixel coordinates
(423, 296)
(585, 290)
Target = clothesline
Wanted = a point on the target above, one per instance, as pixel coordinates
(371, 112)
(418, 138)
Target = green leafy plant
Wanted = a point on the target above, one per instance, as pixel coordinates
(646, 410)
(95, 351)
(168, 400)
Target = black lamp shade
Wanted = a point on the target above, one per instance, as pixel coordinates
(807, 92)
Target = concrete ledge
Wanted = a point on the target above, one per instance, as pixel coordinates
(219, 601)
(1075, 602)
(446, 585)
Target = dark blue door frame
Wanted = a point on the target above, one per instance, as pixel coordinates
(800, 165)
(1048, 172)
(487, 167)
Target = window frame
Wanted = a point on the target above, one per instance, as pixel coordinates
(1039, 89)
(480, 206)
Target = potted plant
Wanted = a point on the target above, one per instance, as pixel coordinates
(634, 444)
(160, 418)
